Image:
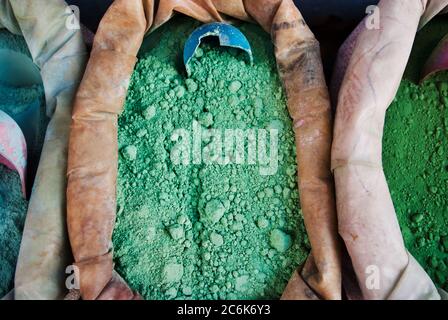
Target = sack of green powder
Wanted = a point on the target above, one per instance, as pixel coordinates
(370, 67)
(93, 148)
(57, 49)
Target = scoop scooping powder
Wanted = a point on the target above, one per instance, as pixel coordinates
(195, 221)
(415, 157)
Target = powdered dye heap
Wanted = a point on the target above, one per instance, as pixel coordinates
(13, 207)
(12, 218)
(192, 224)
(415, 158)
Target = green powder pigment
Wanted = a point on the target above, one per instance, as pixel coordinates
(16, 101)
(415, 157)
(190, 223)
(12, 218)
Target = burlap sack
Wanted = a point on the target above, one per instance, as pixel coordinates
(59, 53)
(93, 151)
(368, 73)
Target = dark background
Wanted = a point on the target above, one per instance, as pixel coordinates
(316, 12)
(331, 20)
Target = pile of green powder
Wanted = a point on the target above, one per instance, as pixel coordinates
(13, 42)
(415, 157)
(13, 208)
(205, 230)
(14, 101)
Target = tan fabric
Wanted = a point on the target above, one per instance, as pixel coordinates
(297, 289)
(432, 8)
(366, 215)
(60, 54)
(93, 153)
(414, 284)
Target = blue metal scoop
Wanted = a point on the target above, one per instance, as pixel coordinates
(228, 36)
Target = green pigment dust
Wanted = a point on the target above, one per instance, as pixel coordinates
(12, 218)
(15, 101)
(204, 229)
(13, 42)
(415, 157)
